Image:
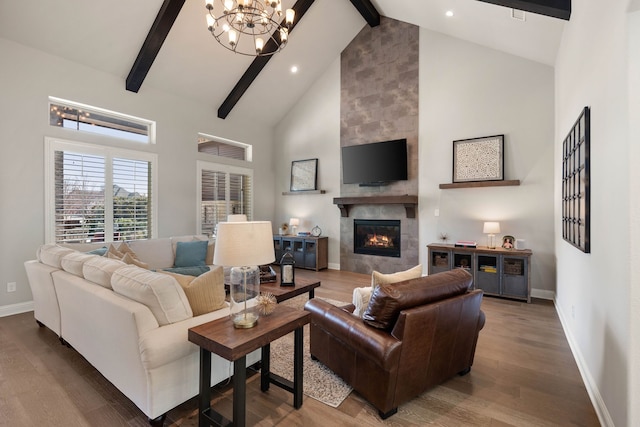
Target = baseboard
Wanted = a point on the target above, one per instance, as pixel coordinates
(587, 378)
(10, 310)
(333, 266)
(543, 294)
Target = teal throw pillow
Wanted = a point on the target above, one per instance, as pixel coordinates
(191, 254)
(99, 251)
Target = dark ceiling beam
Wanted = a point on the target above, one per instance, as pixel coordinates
(152, 44)
(368, 12)
(259, 63)
(560, 9)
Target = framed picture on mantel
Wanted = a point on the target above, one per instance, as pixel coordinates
(478, 159)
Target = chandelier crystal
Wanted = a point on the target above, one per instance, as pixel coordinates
(246, 26)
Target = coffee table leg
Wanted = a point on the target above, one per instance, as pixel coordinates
(265, 368)
(204, 403)
(297, 367)
(239, 392)
(312, 294)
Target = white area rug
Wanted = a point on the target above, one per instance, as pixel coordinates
(319, 382)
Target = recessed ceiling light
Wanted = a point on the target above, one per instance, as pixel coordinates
(449, 13)
(294, 69)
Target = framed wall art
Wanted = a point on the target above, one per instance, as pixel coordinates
(304, 175)
(576, 198)
(478, 159)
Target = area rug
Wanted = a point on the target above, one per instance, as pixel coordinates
(319, 382)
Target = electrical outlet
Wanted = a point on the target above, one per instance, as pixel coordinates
(11, 287)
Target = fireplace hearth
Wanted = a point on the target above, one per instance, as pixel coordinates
(376, 237)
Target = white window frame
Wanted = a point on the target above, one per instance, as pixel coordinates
(218, 167)
(56, 144)
(149, 124)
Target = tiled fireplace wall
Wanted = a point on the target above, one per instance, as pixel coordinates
(379, 102)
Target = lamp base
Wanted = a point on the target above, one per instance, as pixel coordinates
(245, 321)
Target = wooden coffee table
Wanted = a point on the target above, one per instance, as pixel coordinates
(221, 338)
(283, 293)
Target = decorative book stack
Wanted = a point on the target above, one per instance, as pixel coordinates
(465, 244)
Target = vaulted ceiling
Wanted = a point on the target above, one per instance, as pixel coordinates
(109, 36)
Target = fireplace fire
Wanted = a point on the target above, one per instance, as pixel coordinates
(377, 237)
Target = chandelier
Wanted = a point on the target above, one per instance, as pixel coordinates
(246, 26)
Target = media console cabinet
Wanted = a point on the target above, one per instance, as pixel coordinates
(498, 272)
(308, 252)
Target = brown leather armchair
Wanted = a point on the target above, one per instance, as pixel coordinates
(413, 336)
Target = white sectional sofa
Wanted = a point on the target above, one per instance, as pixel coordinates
(99, 306)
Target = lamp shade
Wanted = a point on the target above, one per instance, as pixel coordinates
(244, 243)
(294, 222)
(236, 217)
(491, 227)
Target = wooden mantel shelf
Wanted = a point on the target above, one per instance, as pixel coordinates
(409, 202)
(475, 184)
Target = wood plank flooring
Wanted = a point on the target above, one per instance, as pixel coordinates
(524, 375)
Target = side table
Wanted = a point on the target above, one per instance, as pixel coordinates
(221, 338)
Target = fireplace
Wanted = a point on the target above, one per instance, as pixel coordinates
(376, 237)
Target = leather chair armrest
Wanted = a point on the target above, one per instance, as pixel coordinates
(375, 344)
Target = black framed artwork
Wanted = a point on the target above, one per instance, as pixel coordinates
(478, 159)
(304, 175)
(576, 198)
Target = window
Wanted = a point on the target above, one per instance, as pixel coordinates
(223, 147)
(98, 194)
(81, 117)
(223, 190)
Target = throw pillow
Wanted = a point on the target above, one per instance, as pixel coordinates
(361, 297)
(382, 279)
(189, 254)
(206, 292)
(113, 252)
(124, 248)
(98, 251)
(130, 258)
(160, 292)
(189, 271)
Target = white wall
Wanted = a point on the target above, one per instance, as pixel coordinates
(469, 91)
(633, 53)
(593, 289)
(312, 130)
(27, 78)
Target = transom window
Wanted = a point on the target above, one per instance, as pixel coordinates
(222, 147)
(81, 117)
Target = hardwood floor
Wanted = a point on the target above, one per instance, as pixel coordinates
(524, 375)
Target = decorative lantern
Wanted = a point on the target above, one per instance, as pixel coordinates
(287, 270)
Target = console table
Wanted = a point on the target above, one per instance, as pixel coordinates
(308, 251)
(498, 272)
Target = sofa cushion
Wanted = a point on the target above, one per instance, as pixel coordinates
(73, 262)
(52, 255)
(389, 299)
(384, 279)
(160, 292)
(189, 254)
(99, 270)
(206, 292)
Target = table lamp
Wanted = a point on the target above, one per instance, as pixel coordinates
(244, 246)
(294, 223)
(491, 228)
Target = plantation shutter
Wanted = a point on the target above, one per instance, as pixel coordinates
(223, 194)
(131, 199)
(79, 197)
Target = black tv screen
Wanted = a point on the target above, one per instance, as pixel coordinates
(376, 163)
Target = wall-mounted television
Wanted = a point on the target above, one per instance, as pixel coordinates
(377, 163)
